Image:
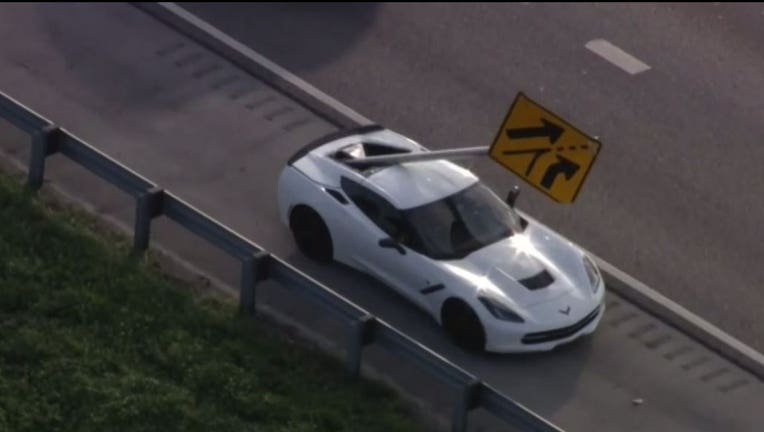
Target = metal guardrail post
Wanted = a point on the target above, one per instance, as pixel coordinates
(360, 334)
(253, 269)
(467, 400)
(148, 205)
(44, 143)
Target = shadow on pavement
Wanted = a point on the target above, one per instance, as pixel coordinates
(298, 36)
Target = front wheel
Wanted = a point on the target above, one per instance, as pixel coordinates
(311, 234)
(463, 325)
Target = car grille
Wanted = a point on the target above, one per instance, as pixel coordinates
(560, 333)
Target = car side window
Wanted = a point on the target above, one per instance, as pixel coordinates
(376, 208)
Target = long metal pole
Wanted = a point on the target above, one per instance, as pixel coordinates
(423, 156)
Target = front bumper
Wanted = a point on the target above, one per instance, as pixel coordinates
(560, 333)
(501, 339)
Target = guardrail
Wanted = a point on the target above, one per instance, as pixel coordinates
(363, 329)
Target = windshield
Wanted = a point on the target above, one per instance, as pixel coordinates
(461, 223)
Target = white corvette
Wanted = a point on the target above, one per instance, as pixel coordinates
(433, 232)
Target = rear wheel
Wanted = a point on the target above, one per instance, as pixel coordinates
(463, 325)
(311, 234)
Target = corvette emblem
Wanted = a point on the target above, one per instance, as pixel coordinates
(565, 311)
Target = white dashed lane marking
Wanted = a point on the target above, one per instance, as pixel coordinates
(616, 56)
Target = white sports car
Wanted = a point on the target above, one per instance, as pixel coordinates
(437, 235)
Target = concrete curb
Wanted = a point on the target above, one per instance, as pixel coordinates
(682, 319)
(618, 281)
(245, 58)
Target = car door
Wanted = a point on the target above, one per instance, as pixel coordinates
(404, 270)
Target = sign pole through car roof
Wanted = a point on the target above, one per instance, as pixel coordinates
(537, 145)
(418, 157)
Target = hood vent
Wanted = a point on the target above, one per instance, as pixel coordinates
(540, 280)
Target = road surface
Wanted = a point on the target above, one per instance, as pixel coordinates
(189, 121)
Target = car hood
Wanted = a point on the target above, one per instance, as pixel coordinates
(497, 269)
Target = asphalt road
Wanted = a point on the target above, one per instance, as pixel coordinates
(186, 119)
(675, 196)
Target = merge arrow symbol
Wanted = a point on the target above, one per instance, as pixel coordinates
(563, 166)
(549, 130)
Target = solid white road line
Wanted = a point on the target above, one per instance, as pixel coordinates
(617, 56)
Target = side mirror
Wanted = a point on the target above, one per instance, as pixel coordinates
(512, 195)
(390, 243)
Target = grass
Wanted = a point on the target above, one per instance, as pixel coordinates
(94, 340)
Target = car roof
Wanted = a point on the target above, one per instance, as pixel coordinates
(412, 184)
(405, 185)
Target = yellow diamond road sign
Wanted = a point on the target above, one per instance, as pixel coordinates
(544, 150)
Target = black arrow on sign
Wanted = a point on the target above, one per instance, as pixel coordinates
(536, 154)
(563, 166)
(549, 130)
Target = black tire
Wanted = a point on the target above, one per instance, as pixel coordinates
(311, 234)
(463, 325)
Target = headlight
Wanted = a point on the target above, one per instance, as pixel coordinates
(592, 273)
(500, 311)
